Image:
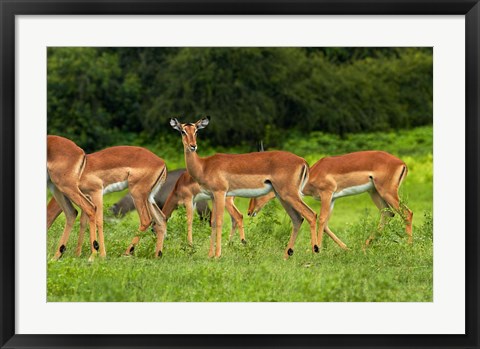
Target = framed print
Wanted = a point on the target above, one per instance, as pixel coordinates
(294, 103)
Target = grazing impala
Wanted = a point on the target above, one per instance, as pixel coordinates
(188, 192)
(114, 169)
(376, 172)
(65, 164)
(53, 211)
(247, 175)
(126, 204)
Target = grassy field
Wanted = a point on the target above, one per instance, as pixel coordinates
(389, 270)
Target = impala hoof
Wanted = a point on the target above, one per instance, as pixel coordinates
(95, 244)
(244, 241)
(290, 252)
(316, 249)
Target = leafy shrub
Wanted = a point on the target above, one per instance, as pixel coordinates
(100, 97)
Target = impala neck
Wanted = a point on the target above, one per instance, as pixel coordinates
(194, 164)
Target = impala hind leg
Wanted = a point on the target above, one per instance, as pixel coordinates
(97, 219)
(144, 216)
(233, 230)
(81, 233)
(390, 195)
(189, 209)
(71, 215)
(237, 219)
(311, 218)
(90, 209)
(297, 221)
(384, 214)
(99, 246)
(404, 212)
(70, 189)
(160, 226)
(335, 238)
(53, 211)
(290, 195)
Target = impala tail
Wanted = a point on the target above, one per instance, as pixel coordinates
(403, 174)
(158, 184)
(304, 178)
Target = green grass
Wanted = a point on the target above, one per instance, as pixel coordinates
(389, 270)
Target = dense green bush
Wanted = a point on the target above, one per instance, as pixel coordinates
(90, 98)
(418, 141)
(105, 96)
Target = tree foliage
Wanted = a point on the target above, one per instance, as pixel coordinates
(104, 96)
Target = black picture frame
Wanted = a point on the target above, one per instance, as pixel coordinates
(11, 8)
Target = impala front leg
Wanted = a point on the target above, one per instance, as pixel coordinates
(326, 199)
(219, 202)
(81, 233)
(213, 225)
(189, 209)
(93, 240)
(94, 246)
(135, 241)
(71, 215)
(330, 233)
(97, 198)
(160, 226)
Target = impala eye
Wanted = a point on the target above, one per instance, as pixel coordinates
(184, 133)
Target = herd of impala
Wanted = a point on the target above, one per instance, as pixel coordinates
(73, 176)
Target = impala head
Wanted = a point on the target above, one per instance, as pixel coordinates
(189, 132)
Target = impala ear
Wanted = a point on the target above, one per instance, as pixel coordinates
(202, 123)
(176, 125)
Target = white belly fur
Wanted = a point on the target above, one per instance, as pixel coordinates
(357, 189)
(115, 187)
(202, 196)
(251, 192)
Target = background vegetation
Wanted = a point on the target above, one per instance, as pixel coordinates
(105, 96)
(314, 102)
